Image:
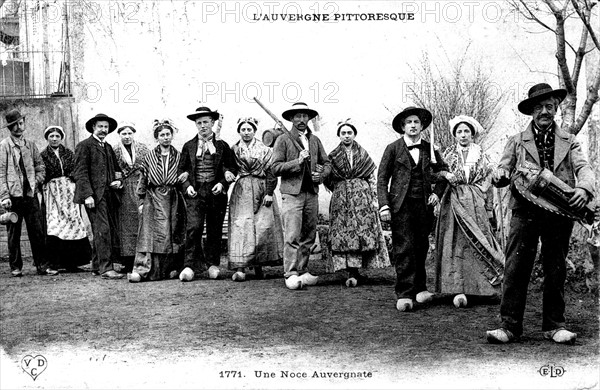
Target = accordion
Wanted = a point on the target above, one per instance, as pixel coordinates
(539, 186)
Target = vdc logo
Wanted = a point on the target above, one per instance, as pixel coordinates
(552, 370)
(34, 365)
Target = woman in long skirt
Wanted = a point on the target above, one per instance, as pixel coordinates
(66, 241)
(355, 235)
(469, 260)
(255, 231)
(161, 235)
(130, 154)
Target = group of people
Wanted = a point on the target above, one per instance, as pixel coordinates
(148, 207)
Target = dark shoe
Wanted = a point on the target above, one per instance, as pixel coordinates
(258, 272)
(500, 336)
(16, 273)
(112, 274)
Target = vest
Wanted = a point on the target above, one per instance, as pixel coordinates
(415, 187)
(205, 168)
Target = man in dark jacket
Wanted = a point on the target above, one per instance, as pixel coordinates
(409, 202)
(206, 168)
(545, 145)
(97, 175)
(301, 161)
(21, 171)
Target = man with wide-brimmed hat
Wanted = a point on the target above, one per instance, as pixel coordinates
(409, 201)
(300, 159)
(97, 178)
(545, 145)
(21, 171)
(207, 166)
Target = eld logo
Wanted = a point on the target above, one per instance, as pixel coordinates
(551, 370)
(34, 365)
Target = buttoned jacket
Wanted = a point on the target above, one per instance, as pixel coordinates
(11, 177)
(396, 166)
(285, 161)
(223, 161)
(570, 163)
(93, 170)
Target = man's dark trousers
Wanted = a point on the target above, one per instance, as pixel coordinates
(27, 208)
(104, 220)
(410, 237)
(212, 208)
(527, 226)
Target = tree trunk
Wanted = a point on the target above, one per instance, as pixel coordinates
(591, 61)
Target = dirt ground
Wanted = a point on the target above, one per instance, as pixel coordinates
(96, 333)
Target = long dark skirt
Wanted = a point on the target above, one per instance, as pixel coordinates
(68, 254)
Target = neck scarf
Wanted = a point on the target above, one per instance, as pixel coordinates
(158, 173)
(473, 154)
(129, 160)
(205, 144)
(361, 168)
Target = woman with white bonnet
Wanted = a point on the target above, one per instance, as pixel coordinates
(255, 231)
(67, 243)
(469, 261)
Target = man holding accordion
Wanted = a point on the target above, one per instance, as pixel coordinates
(545, 147)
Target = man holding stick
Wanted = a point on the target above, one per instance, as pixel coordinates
(301, 161)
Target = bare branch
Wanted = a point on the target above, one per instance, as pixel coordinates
(585, 16)
(592, 98)
(527, 65)
(579, 56)
(561, 57)
(531, 16)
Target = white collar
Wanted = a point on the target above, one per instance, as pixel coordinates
(409, 142)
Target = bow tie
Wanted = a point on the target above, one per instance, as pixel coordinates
(416, 146)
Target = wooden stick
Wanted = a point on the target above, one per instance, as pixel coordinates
(283, 128)
(500, 220)
(431, 147)
(219, 125)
